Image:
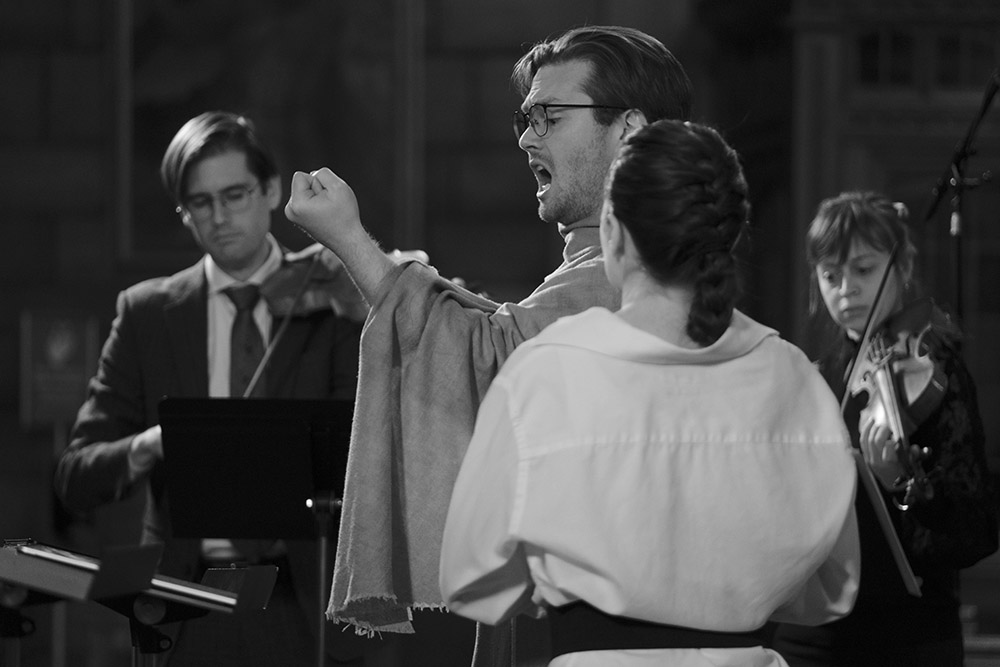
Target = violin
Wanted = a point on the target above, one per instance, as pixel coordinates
(904, 385)
(313, 280)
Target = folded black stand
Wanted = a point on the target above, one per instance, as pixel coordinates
(123, 579)
(228, 590)
(258, 469)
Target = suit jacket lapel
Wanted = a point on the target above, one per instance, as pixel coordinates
(186, 317)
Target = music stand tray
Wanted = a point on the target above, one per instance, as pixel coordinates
(251, 468)
(124, 580)
(67, 575)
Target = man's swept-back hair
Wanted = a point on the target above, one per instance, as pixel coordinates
(628, 69)
(208, 134)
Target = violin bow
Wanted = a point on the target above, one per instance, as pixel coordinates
(853, 367)
(910, 580)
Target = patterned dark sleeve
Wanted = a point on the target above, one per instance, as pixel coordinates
(957, 526)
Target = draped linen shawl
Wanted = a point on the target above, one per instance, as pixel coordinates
(429, 351)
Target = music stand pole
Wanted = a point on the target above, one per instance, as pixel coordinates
(323, 506)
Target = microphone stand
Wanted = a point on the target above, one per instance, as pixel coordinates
(954, 178)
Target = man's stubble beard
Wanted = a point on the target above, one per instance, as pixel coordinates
(583, 195)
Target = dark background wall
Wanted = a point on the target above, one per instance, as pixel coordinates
(410, 102)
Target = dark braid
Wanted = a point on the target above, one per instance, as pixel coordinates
(679, 190)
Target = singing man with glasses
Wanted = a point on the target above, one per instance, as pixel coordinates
(181, 336)
(430, 349)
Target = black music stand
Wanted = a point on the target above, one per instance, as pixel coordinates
(168, 600)
(258, 469)
(124, 580)
(33, 574)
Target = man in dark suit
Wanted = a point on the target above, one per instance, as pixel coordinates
(172, 337)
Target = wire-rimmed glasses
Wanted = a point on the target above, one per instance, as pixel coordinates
(235, 199)
(537, 116)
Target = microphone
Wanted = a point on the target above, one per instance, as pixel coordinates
(953, 173)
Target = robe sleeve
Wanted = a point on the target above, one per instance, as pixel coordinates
(484, 574)
(830, 592)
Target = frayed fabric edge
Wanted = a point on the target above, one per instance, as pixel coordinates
(372, 629)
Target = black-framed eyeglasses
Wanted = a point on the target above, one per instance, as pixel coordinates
(537, 116)
(235, 199)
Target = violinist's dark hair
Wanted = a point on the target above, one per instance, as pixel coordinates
(628, 69)
(863, 215)
(209, 134)
(679, 190)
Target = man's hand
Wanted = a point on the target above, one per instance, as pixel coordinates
(144, 451)
(324, 206)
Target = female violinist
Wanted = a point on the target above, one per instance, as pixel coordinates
(937, 489)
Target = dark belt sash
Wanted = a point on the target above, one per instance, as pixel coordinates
(581, 627)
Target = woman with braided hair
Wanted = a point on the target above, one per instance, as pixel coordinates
(662, 480)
